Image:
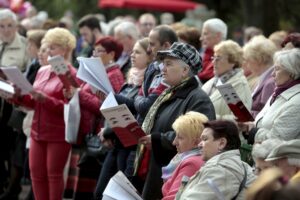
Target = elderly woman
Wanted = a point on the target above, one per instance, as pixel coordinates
(187, 161)
(280, 116)
(48, 149)
(258, 54)
(224, 175)
(109, 50)
(261, 151)
(181, 64)
(227, 61)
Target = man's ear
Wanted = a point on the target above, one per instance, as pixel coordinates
(166, 45)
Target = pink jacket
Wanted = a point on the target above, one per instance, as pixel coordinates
(188, 167)
(48, 120)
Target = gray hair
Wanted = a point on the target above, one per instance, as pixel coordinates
(289, 61)
(217, 25)
(183, 64)
(7, 13)
(294, 162)
(263, 149)
(128, 28)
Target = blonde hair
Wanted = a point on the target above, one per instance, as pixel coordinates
(278, 37)
(190, 124)
(61, 37)
(260, 49)
(232, 50)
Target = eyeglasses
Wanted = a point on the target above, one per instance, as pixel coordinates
(99, 51)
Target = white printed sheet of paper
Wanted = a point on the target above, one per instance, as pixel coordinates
(6, 90)
(14, 75)
(92, 71)
(120, 188)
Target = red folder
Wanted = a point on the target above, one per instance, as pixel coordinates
(235, 104)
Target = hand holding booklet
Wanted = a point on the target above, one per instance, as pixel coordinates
(235, 103)
(15, 76)
(120, 188)
(62, 71)
(121, 121)
(92, 71)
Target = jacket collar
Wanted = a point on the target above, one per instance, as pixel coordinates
(231, 154)
(182, 92)
(289, 93)
(16, 43)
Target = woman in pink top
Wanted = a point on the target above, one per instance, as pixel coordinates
(187, 161)
(49, 151)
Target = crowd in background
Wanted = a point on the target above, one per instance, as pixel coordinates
(168, 75)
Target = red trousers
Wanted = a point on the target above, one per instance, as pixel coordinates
(47, 161)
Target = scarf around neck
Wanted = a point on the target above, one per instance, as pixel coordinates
(168, 170)
(280, 89)
(135, 76)
(165, 96)
(228, 75)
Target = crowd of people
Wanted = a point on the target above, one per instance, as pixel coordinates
(168, 75)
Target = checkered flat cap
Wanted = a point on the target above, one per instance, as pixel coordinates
(184, 52)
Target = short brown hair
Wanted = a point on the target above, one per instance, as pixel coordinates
(225, 129)
(36, 36)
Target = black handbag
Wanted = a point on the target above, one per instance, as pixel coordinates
(93, 149)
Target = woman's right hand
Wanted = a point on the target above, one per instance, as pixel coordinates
(100, 95)
(69, 93)
(106, 142)
(245, 126)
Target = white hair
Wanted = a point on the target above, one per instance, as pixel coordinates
(217, 25)
(262, 150)
(127, 28)
(289, 60)
(7, 13)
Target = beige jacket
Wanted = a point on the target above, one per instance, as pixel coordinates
(224, 172)
(241, 86)
(282, 118)
(15, 53)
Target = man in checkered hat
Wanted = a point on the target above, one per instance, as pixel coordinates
(286, 156)
(181, 64)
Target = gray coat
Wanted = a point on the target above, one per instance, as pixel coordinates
(225, 172)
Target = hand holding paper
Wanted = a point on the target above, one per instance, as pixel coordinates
(121, 121)
(92, 71)
(62, 71)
